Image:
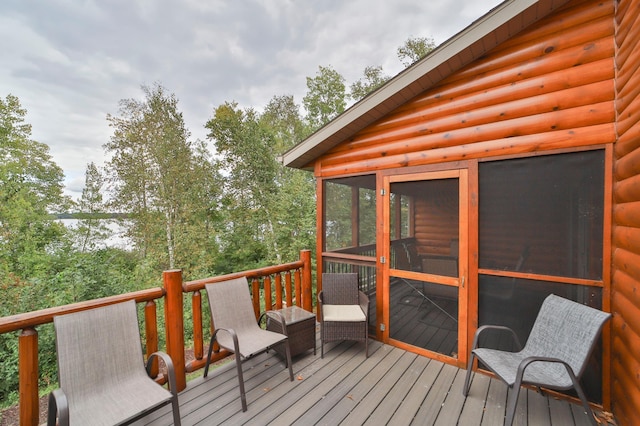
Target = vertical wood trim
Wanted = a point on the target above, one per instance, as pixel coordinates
(607, 253)
(472, 256)
(463, 266)
(382, 249)
(307, 282)
(320, 219)
(28, 377)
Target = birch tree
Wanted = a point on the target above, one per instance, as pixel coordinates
(153, 174)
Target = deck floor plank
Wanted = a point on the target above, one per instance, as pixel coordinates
(382, 390)
(392, 403)
(430, 408)
(342, 389)
(410, 406)
(391, 387)
(362, 388)
(477, 400)
(318, 385)
(454, 402)
(560, 412)
(538, 409)
(520, 418)
(579, 416)
(496, 404)
(276, 401)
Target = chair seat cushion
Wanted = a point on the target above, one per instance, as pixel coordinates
(343, 313)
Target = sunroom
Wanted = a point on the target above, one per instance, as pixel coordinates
(483, 178)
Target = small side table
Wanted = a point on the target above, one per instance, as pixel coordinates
(301, 329)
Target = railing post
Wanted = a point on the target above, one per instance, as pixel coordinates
(174, 324)
(28, 377)
(307, 302)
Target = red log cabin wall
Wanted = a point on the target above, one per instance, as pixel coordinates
(547, 88)
(625, 295)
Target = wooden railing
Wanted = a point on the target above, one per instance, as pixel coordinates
(295, 288)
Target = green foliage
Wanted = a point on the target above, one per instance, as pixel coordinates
(373, 78)
(414, 49)
(268, 210)
(164, 182)
(30, 187)
(92, 230)
(326, 97)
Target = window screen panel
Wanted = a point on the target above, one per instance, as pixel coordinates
(543, 215)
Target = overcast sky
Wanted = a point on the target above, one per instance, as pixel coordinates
(71, 61)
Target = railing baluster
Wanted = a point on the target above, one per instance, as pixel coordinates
(28, 377)
(278, 291)
(296, 286)
(255, 287)
(196, 305)
(268, 304)
(288, 289)
(151, 331)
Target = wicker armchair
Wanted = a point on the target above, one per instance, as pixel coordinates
(344, 310)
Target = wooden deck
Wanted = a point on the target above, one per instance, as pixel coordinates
(392, 387)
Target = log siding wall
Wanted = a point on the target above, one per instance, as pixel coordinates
(625, 294)
(551, 87)
(570, 81)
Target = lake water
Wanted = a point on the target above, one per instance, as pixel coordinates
(117, 238)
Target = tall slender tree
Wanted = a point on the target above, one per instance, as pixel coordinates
(30, 188)
(325, 98)
(373, 78)
(92, 230)
(414, 49)
(151, 173)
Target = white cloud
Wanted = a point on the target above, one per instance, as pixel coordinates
(70, 61)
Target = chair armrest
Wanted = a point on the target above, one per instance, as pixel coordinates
(320, 297)
(531, 359)
(236, 346)
(171, 373)
(484, 328)
(278, 316)
(58, 407)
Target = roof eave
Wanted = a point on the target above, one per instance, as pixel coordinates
(495, 27)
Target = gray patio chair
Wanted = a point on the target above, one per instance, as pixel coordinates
(344, 310)
(555, 355)
(101, 370)
(236, 328)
